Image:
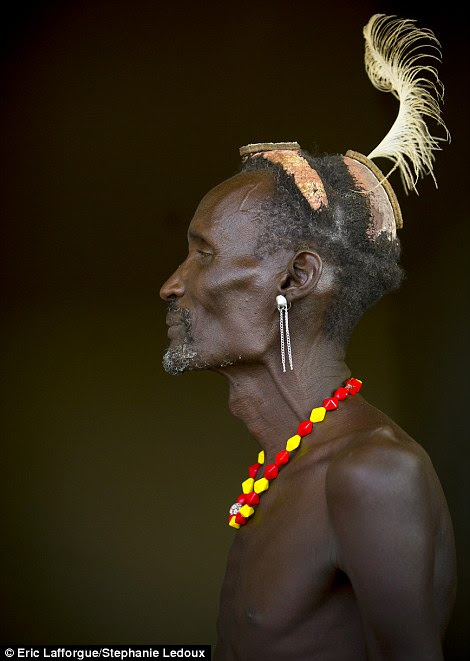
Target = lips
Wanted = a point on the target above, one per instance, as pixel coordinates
(176, 332)
(178, 319)
(173, 320)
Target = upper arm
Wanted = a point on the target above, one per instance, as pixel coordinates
(383, 526)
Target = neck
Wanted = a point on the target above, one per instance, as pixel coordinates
(272, 403)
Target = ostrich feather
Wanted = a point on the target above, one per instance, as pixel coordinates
(394, 53)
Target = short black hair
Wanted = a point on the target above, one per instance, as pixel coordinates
(366, 269)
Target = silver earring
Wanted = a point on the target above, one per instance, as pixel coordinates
(283, 308)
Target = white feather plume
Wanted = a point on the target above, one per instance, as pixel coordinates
(394, 52)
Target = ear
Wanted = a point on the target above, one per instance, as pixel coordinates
(302, 275)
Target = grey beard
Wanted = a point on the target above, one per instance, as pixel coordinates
(184, 358)
(181, 359)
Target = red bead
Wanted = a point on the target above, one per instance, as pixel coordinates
(331, 403)
(240, 519)
(241, 499)
(305, 428)
(282, 457)
(355, 385)
(252, 498)
(253, 469)
(341, 393)
(271, 472)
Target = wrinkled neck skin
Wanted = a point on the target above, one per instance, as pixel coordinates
(271, 403)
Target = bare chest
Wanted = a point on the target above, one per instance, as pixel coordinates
(280, 568)
(282, 595)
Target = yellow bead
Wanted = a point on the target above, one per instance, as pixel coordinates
(247, 485)
(246, 511)
(318, 414)
(261, 485)
(293, 443)
(233, 523)
(261, 457)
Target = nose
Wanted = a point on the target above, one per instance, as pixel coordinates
(173, 287)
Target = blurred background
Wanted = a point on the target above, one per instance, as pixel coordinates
(116, 118)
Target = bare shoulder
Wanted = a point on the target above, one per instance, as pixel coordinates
(391, 529)
(383, 467)
(381, 480)
(382, 484)
(382, 458)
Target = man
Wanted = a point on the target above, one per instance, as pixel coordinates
(344, 545)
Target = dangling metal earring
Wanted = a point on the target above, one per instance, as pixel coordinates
(283, 308)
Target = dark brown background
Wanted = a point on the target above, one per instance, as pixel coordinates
(116, 118)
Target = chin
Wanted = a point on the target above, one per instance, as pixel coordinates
(184, 358)
(181, 359)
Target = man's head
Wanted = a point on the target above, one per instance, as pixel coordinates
(222, 298)
(255, 236)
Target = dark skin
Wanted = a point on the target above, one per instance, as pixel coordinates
(350, 554)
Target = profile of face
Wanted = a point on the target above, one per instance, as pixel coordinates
(221, 299)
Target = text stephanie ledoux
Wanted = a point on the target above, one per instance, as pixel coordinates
(119, 652)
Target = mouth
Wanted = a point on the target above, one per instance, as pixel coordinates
(175, 332)
(176, 327)
(179, 319)
(174, 321)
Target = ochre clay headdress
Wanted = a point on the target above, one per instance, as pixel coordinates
(394, 65)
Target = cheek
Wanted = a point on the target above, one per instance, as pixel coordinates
(248, 288)
(238, 301)
(234, 311)
(242, 321)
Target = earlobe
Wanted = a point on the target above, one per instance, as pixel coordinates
(303, 273)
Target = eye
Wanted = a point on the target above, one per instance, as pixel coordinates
(203, 253)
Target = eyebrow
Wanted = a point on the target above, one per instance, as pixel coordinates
(197, 237)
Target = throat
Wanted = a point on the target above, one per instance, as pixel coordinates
(264, 412)
(271, 403)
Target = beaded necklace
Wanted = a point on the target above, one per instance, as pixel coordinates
(241, 511)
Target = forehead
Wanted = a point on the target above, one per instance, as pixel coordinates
(228, 213)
